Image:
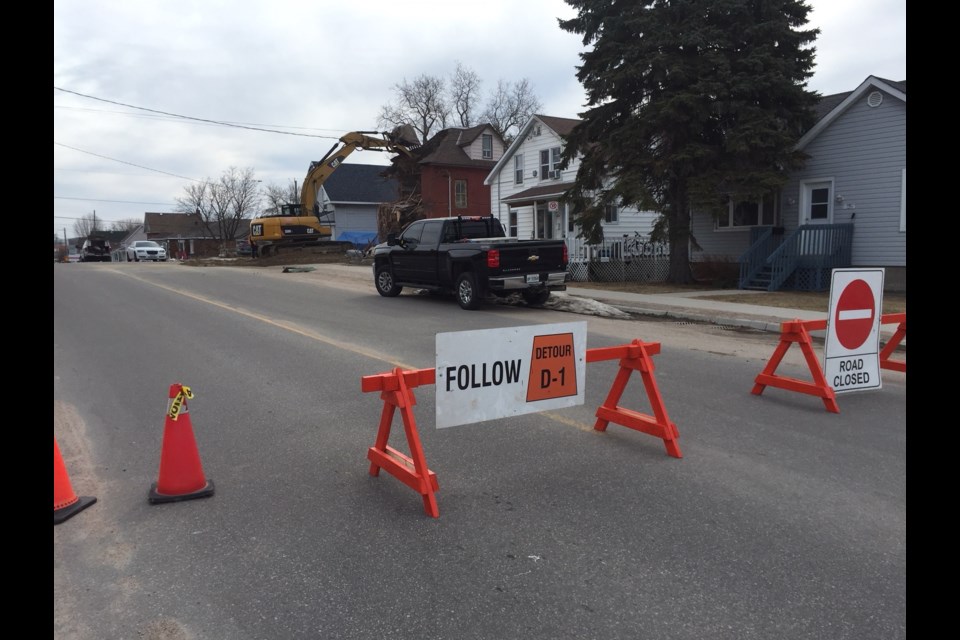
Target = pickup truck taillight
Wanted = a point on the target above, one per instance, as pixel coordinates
(493, 258)
(566, 256)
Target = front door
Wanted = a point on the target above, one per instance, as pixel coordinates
(544, 222)
(817, 203)
(816, 209)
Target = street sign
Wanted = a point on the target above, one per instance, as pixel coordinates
(496, 373)
(852, 348)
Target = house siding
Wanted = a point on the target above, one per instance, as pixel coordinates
(474, 150)
(862, 153)
(439, 198)
(354, 216)
(502, 187)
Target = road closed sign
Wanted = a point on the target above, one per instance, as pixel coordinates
(851, 353)
(497, 373)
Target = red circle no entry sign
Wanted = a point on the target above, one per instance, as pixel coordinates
(855, 312)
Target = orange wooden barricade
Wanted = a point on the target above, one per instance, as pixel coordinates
(636, 356)
(798, 331)
(396, 391)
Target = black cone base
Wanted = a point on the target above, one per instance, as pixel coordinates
(60, 515)
(155, 497)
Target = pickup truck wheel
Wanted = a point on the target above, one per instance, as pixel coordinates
(536, 297)
(385, 284)
(467, 295)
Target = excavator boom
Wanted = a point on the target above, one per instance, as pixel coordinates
(300, 224)
(401, 140)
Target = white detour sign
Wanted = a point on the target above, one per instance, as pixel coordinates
(497, 373)
(851, 353)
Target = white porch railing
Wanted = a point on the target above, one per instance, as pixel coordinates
(630, 258)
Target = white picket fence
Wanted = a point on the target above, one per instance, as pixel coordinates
(628, 259)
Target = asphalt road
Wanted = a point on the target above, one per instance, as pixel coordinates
(780, 521)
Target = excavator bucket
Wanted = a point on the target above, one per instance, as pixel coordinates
(406, 135)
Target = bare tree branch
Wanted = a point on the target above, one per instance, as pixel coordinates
(278, 195)
(223, 205)
(127, 225)
(510, 106)
(419, 103)
(464, 87)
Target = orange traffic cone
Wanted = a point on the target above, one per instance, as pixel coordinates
(181, 474)
(66, 504)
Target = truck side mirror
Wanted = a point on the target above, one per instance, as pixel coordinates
(391, 239)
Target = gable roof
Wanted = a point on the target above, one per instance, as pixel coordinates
(185, 225)
(446, 147)
(560, 126)
(361, 183)
(833, 106)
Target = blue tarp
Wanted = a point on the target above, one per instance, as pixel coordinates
(360, 239)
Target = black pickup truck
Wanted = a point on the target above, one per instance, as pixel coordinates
(470, 257)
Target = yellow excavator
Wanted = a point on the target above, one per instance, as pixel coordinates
(298, 225)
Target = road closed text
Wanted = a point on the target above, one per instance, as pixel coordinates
(851, 374)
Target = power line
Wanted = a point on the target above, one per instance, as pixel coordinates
(175, 115)
(125, 162)
(115, 201)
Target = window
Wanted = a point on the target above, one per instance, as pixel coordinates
(549, 161)
(431, 233)
(412, 233)
(819, 203)
(611, 214)
(518, 169)
(460, 192)
(487, 146)
(513, 224)
(749, 213)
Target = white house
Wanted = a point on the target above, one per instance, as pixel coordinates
(526, 187)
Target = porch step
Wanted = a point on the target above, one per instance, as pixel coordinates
(760, 282)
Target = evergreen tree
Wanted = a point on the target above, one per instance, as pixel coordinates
(690, 103)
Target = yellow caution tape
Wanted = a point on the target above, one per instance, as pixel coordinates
(177, 404)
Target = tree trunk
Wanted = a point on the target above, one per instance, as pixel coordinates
(679, 234)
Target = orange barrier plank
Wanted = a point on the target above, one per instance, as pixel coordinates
(885, 362)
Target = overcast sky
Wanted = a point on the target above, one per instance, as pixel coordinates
(129, 76)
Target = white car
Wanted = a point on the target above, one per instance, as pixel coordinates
(146, 250)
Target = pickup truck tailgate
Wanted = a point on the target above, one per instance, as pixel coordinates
(524, 258)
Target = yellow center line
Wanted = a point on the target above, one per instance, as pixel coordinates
(319, 337)
(288, 326)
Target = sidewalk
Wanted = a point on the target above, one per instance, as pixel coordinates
(689, 306)
(692, 306)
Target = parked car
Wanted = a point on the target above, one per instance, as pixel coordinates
(146, 250)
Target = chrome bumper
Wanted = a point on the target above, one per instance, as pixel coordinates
(553, 282)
